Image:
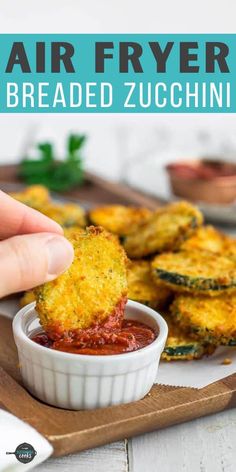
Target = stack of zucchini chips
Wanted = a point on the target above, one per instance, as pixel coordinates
(179, 267)
(183, 269)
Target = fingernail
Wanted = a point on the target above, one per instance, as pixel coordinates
(60, 256)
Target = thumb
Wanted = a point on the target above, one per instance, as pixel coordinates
(30, 260)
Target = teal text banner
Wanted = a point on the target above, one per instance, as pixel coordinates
(118, 73)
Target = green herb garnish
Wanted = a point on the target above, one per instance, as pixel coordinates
(56, 175)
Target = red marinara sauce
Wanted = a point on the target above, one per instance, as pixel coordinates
(102, 340)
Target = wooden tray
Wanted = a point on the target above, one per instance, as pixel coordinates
(94, 189)
(71, 431)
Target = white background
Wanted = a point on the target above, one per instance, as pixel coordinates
(130, 147)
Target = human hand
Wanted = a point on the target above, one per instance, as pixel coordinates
(32, 247)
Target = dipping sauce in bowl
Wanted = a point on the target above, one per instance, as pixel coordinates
(204, 180)
(89, 376)
(131, 336)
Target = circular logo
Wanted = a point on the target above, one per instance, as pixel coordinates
(24, 453)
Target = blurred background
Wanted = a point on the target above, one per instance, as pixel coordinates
(128, 148)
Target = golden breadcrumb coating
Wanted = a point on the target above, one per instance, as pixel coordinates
(195, 271)
(213, 319)
(183, 346)
(141, 286)
(165, 230)
(35, 196)
(90, 290)
(27, 298)
(119, 219)
(66, 215)
(210, 239)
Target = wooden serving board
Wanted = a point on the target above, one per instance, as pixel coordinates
(71, 431)
(95, 190)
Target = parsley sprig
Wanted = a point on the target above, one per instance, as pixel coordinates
(47, 170)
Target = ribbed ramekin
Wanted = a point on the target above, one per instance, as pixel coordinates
(76, 381)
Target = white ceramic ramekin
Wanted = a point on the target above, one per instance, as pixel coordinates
(76, 381)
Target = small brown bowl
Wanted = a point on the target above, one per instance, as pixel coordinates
(203, 180)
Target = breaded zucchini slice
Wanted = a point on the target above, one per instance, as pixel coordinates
(206, 238)
(90, 291)
(209, 238)
(119, 219)
(165, 230)
(182, 346)
(68, 214)
(230, 248)
(35, 196)
(195, 271)
(27, 298)
(141, 287)
(213, 319)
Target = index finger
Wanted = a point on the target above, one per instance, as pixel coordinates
(17, 218)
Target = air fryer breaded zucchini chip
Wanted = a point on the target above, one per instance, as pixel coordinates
(230, 248)
(196, 271)
(141, 287)
(213, 319)
(181, 346)
(166, 230)
(35, 196)
(68, 214)
(119, 219)
(92, 289)
(210, 239)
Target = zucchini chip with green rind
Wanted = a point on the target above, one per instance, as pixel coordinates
(196, 271)
(141, 287)
(182, 346)
(165, 230)
(93, 289)
(212, 319)
(119, 219)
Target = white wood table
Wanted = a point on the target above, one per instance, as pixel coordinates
(205, 445)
